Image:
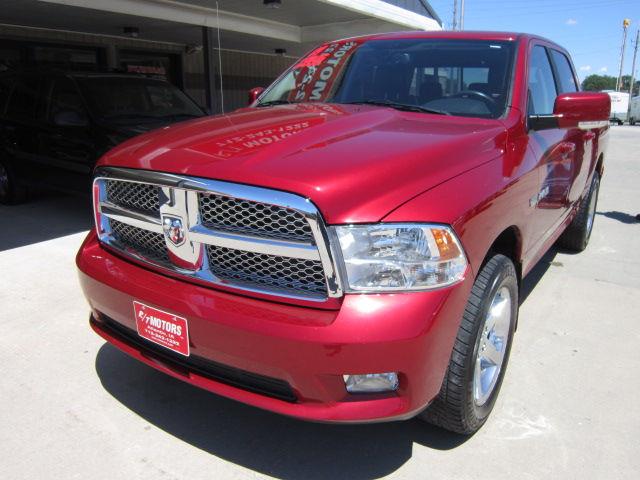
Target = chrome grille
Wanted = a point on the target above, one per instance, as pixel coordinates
(258, 270)
(139, 196)
(243, 237)
(151, 245)
(253, 218)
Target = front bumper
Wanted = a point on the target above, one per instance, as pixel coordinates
(305, 350)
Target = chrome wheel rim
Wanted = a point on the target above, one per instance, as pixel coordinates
(493, 346)
(591, 215)
(4, 181)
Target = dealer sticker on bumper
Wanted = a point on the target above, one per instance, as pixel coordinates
(162, 328)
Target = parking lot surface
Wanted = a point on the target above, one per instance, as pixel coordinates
(72, 406)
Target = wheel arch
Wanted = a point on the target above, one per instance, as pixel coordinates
(509, 244)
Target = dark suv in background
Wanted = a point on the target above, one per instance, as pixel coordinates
(55, 125)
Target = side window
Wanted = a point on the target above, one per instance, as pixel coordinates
(476, 78)
(565, 74)
(65, 98)
(24, 99)
(542, 87)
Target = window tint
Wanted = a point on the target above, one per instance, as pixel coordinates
(565, 74)
(542, 87)
(65, 98)
(24, 99)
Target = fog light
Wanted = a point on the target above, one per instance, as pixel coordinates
(371, 382)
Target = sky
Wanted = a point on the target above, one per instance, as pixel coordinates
(591, 30)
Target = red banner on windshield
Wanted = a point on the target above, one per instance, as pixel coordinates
(316, 74)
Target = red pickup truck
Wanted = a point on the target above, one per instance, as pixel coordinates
(351, 246)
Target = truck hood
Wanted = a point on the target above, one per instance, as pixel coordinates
(356, 163)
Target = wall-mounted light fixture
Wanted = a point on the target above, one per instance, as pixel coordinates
(272, 3)
(133, 32)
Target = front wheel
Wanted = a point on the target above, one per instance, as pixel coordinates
(480, 352)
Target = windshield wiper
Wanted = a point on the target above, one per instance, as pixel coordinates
(399, 106)
(273, 102)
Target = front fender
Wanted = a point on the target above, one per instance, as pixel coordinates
(479, 204)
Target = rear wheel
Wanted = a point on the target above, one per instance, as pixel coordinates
(481, 351)
(576, 236)
(10, 191)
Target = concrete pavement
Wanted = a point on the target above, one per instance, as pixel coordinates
(73, 407)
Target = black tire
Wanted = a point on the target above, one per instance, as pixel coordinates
(576, 236)
(456, 408)
(632, 121)
(11, 192)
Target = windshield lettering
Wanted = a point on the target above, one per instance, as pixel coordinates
(318, 75)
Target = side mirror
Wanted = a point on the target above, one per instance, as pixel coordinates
(70, 118)
(584, 110)
(254, 93)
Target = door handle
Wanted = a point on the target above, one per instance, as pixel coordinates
(589, 136)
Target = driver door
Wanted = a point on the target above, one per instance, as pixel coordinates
(557, 150)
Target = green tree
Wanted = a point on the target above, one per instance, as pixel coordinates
(625, 85)
(596, 83)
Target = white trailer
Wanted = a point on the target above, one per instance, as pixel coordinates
(619, 106)
(634, 114)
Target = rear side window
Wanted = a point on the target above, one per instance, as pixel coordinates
(65, 97)
(24, 99)
(566, 79)
(542, 86)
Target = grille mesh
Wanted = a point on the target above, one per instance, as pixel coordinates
(239, 268)
(149, 244)
(139, 196)
(253, 218)
(259, 270)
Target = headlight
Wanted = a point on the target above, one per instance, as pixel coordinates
(395, 257)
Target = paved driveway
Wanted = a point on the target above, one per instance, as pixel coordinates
(73, 407)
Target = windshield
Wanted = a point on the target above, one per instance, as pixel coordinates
(122, 99)
(455, 77)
